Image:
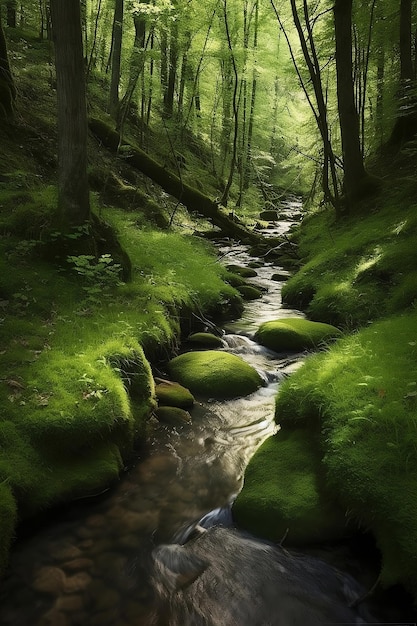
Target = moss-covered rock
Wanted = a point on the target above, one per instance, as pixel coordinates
(283, 490)
(205, 340)
(173, 394)
(245, 272)
(294, 334)
(173, 415)
(280, 276)
(215, 374)
(249, 292)
(269, 215)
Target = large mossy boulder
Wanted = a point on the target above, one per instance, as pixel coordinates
(215, 374)
(295, 334)
(173, 394)
(283, 493)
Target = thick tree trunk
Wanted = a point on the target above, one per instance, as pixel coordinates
(405, 127)
(11, 10)
(355, 176)
(191, 198)
(73, 191)
(7, 87)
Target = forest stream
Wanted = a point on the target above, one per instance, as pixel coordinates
(89, 564)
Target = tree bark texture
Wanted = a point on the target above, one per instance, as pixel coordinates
(7, 87)
(117, 35)
(405, 127)
(191, 198)
(73, 191)
(354, 171)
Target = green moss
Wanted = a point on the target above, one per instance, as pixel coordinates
(8, 520)
(173, 415)
(205, 340)
(215, 374)
(361, 395)
(356, 270)
(283, 490)
(294, 334)
(173, 394)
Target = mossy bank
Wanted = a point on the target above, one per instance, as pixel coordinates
(355, 403)
(76, 389)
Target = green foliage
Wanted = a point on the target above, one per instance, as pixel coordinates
(102, 275)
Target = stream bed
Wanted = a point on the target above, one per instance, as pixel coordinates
(89, 565)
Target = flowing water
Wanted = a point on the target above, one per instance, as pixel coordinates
(90, 564)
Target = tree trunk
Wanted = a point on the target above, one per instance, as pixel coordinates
(116, 54)
(329, 175)
(169, 92)
(11, 6)
(73, 191)
(7, 87)
(405, 127)
(191, 198)
(136, 68)
(354, 171)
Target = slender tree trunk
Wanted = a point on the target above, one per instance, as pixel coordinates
(136, 68)
(7, 87)
(73, 191)
(329, 176)
(116, 56)
(235, 108)
(354, 170)
(172, 71)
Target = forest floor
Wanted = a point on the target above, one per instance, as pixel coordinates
(75, 385)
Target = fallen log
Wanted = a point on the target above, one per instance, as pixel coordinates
(191, 198)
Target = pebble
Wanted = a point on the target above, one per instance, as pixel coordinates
(49, 580)
(78, 582)
(78, 564)
(70, 604)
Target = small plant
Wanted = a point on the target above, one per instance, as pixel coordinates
(101, 275)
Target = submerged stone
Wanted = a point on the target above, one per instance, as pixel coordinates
(248, 292)
(173, 394)
(205, 340)
(294, 334)
(245, 272)
(215, 374)
(283, 491)
(173, 416)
